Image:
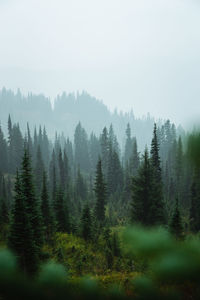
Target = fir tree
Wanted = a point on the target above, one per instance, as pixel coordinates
(31, 201)
(46, 209)
(21, 238)
(100, 191)
(128, 145)
(195, 206)
(115, 245)
(142, 193)
(4, 211)
(61, 212)
(86, 223)
(39, 169)
(157, 208)
(176, 226)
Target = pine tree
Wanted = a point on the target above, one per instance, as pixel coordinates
(115, 245)
(31, 201)
(80, 186)
(46, 209)
(86, 223)
(61, 212)
(128, 145)
(157, 209)
(3, 153)
(100, 191)
(38, 171)
(134, 159)
(104, 150)
(4, 210)
(176, 226)
(142, 193)
(21, 238)
(195, 206)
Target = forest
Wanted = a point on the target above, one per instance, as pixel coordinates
(85, 215)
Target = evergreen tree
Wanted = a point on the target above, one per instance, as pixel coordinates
(61, 212)
(100, 191)
(86, 223)
(81, 148)
(38, 171)
(3, 153)
(128, 145)
(29, 141)
(157, 209)
(30, 201)
(142, 193)
(104, 150)
(176, 227)
(61, 170)
(4, 210)
(195, 206)
(21, 238)
(80, 186)
(115, 245)
(134, 159)
(46, 209)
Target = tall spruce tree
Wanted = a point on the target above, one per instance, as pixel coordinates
(61, 212)
(31, 201)
(86, 223)
(157, 209)
(21, 237)
(176, 226)
(46, 209)
(4, 205)
(100, 191)
(142, 193)
(195, 205)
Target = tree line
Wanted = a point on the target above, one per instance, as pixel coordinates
(90, 184)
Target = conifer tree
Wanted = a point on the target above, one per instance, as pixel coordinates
(100, 191)
(61, 212)
(195, 206)
(86, 223)
(157, 209)
(38, 171)
(31, 202)
(3, 153)
(128, 145)
(104, 150)
(134, 158)
(115, 245)
(21, 238)
(142, 193)
(61, 170)
(176, 226)
(46, 209)
(4, 210)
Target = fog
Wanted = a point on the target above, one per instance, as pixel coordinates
(132, 54)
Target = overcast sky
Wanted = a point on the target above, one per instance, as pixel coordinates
(139, 54)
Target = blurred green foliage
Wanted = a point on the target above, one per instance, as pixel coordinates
(172, 269)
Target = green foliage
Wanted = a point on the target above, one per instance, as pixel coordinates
(171, 263)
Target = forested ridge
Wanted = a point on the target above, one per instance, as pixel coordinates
(69, 200)
(63, 113)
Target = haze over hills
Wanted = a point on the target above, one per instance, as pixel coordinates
(67, 111)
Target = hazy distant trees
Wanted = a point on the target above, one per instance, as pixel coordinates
(68, 178)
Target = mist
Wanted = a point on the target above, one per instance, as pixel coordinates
(141, 55)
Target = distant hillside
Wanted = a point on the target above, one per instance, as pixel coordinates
(68, 110)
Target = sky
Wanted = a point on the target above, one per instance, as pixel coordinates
(131, 54)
